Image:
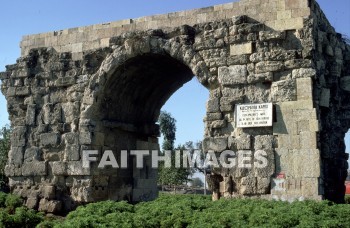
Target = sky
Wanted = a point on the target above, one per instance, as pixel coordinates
(187, 105)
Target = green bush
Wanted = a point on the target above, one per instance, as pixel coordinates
(12, 202)
(14, 214)
(347, 199)
(200, 211)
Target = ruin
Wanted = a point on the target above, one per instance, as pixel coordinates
(101, 87)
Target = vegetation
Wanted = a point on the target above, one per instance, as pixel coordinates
(170, 175)
(14, 214)
(182, 211)
(197, 182)
(5, 146)
(199, 211)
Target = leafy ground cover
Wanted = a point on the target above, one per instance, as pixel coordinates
(200, 211)
(182, 211)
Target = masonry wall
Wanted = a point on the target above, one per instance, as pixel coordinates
(70, 91)
(278, 15)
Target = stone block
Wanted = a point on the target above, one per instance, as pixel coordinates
(263, 185)
(213, 116)
(248, 186)
(264, 142)
(85, 138)
(289, 141)
(48, 191)
(72, 152)
(298, 63)
(32, 154)
(234, 94)
(18, 137)
(263, 77)
(233, 75)
(70, 111)
(345, 83)
(257, 93)
(296, 4)
(58, 168)
(50, 206)
(304, 73)
(12, 170)
(243, 142)
(289, 23)
(218, 124)
(15, 155)
(213, 105)
(304, 89)
(241, 49)
(262, 169)
(272, 35)
(22, 91)
(35, 168)
(310, 186)
(308, 140)
(49, 139)
(314, 125)
(302, 165)
(75, 168)
(284, 90)
(32, 202)
(30, 116)
(303, 125)
(217, 144)
(324, 97)
(269, 66)
(284, 14)
(65, 81)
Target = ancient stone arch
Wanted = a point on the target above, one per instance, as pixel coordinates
(101, 88)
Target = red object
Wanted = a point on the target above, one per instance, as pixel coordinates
(280, 175)
(347, 187)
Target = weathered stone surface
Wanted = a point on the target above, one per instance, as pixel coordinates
(213, 105)
(49, 139)
(32, 154)
(50, 206)
(283, 91)
(304, 73)
(269, 66)
(35, 168)
(345, 83)
(15, 155)
(241, 49)
(233, 75)
(215, 144)
(101, 88)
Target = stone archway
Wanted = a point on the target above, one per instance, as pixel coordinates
(132, 84)
(101, 87)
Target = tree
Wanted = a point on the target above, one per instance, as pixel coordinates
(170, 176)
(197, 182)
(5, 146)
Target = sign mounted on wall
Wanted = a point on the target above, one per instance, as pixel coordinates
(254, 115)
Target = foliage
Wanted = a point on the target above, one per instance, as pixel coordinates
(347, 199)
(167, 126)
(197, 182)
(170, 175)
(13, 214)
(5, 146)
(199, 211)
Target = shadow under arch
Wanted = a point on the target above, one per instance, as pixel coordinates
(122, 104)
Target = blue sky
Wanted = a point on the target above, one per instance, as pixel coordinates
(187, 105)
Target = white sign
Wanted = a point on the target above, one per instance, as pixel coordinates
(254, 115)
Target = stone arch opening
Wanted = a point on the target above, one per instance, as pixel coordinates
(139, 88)
(123, 116)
